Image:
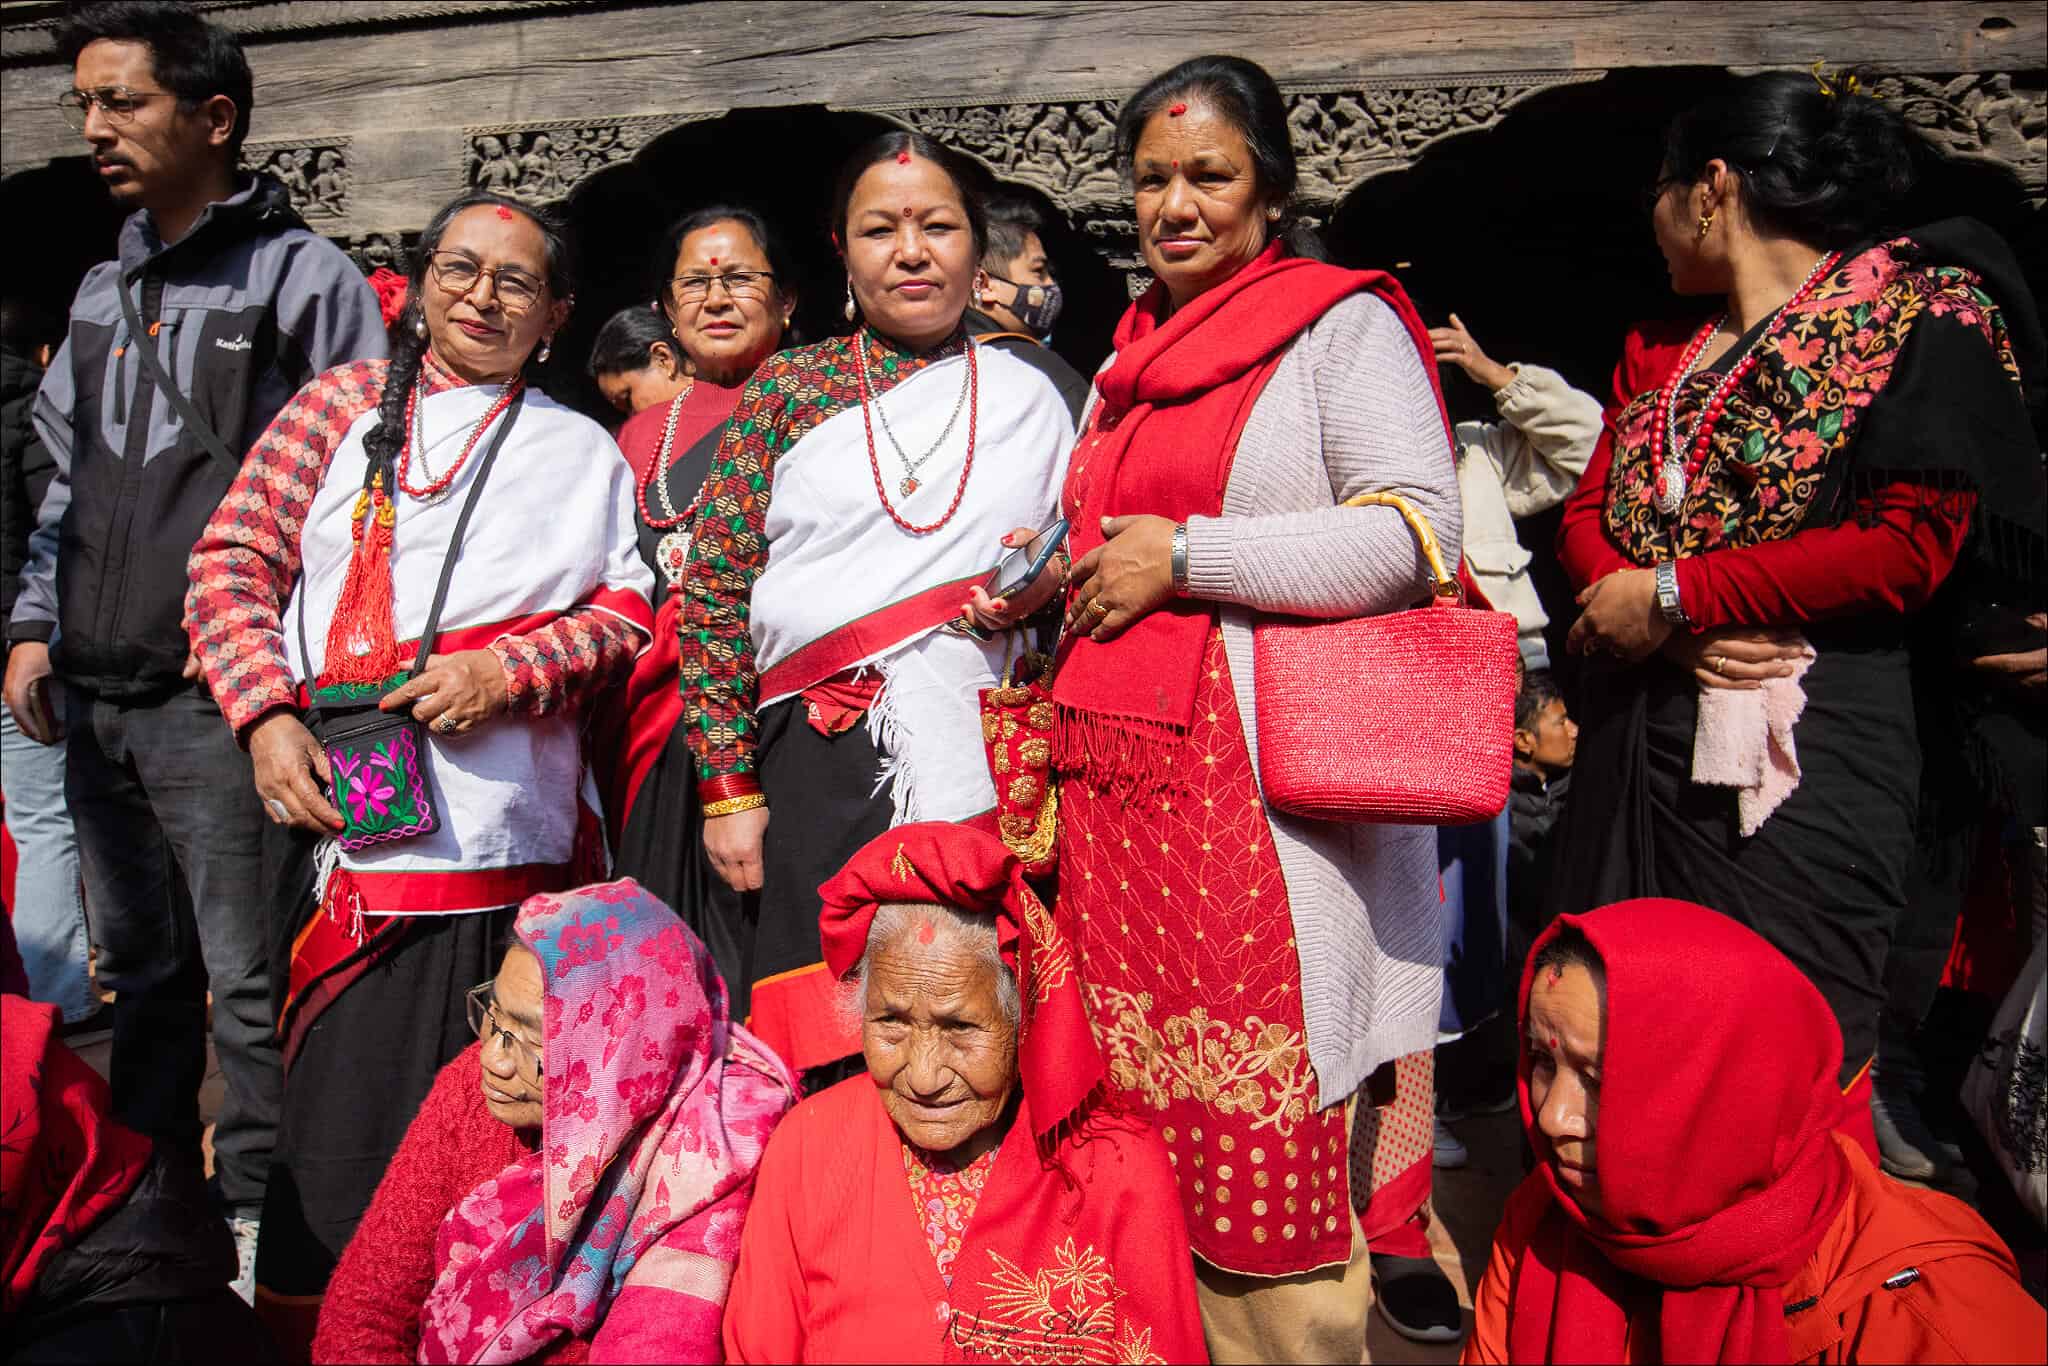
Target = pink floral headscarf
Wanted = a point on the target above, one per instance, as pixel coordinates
(657, 1108)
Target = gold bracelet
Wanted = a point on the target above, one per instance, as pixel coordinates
(730, 805)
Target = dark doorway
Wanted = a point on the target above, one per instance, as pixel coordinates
(61, 222)
(781, 162)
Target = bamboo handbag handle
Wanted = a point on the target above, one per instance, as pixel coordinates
(1446, 583)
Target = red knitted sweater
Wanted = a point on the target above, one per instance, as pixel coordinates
(372, 1310)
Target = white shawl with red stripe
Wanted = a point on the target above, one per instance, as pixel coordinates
(846, 587)
(552, 532)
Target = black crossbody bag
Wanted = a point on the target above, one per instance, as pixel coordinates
(381, 784)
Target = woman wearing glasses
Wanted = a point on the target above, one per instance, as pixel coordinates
(574, 1186)
(863, 491)
(328, 552)
(725, 302)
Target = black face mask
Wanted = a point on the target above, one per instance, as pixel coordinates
(1036, 306)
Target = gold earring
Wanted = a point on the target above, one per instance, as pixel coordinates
(1706, 222)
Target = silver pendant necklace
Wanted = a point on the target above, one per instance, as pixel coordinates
(910, 482)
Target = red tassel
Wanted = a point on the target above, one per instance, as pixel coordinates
(361, 646)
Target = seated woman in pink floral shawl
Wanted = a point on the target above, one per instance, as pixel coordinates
(574, 1185)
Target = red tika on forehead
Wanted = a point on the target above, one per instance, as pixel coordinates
(903, 158)
(1179, 108)
(504, 213)
(924, 931)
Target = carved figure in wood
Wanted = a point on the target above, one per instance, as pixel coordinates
(329, 187)
(490, 169)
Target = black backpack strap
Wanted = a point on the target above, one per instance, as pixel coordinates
(144, 344)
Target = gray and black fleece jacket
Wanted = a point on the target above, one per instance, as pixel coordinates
(243, 310)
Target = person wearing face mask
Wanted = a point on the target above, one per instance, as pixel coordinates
(1036, 1223)
(835, 628)
(573, 1186)
(1016, 300)
(1693, 1198)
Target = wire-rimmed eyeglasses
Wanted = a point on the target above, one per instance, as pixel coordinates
(117, 102)
(739, 284)
(484, 1022)
(517, 291)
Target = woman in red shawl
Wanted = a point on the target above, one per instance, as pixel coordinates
(726, 296)
(967, 1199)
(1692, 1200)
(109, 1250)
(574, 1186)
(1246, 969)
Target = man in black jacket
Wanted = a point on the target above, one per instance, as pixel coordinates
(221, 293)
(1016, 300)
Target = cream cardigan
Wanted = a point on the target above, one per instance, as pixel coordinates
(1348, 409)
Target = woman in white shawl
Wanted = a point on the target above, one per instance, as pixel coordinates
(311, 588)
(834, 631)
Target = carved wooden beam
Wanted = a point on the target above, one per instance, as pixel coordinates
(541, 162)
(315, 172)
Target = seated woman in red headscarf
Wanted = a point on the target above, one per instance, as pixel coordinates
(574, 1185)
(968, 1199)
(1691, 1199)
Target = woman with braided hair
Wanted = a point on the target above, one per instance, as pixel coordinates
(435, 496)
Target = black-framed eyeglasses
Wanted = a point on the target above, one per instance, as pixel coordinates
(739, 284)
(482, 1000)
(516, 289)
(117, 102)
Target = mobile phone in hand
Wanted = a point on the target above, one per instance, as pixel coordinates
(1022, 566)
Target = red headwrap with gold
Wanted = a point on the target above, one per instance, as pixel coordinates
(954, 865)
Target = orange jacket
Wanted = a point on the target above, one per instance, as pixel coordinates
(1904, 1275)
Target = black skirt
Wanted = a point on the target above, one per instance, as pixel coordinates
(367, 1063)
(1823, 880)
(662, 848)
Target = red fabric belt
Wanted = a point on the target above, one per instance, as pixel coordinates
(847, 646)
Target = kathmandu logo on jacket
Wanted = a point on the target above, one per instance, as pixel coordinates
(240, 343)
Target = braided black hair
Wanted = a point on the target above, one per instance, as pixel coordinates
(408, 344)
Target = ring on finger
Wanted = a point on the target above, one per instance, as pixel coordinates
(1097, 608)
(446, 725)
(1717, 662)
(279, 812)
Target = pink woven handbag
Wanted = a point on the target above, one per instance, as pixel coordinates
(1404, 718)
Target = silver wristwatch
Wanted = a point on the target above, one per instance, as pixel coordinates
(1177, 559)
(1667, 594)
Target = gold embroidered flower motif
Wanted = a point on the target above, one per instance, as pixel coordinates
(1065, 1313)
(1051, 960)
(1255, 1069)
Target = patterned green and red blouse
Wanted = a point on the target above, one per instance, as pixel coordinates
(245, 563)
(790, 395)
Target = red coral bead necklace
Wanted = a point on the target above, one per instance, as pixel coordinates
(860, 367)
(1676, 472)
(415, 441)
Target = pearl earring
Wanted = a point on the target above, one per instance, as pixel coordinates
(848, 310)
(419, 328)
(547, 348)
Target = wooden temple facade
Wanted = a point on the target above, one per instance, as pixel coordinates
(1480, 144)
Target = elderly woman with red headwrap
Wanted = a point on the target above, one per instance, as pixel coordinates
(574, 1185)
(968, 1199)
(1691, 1199)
